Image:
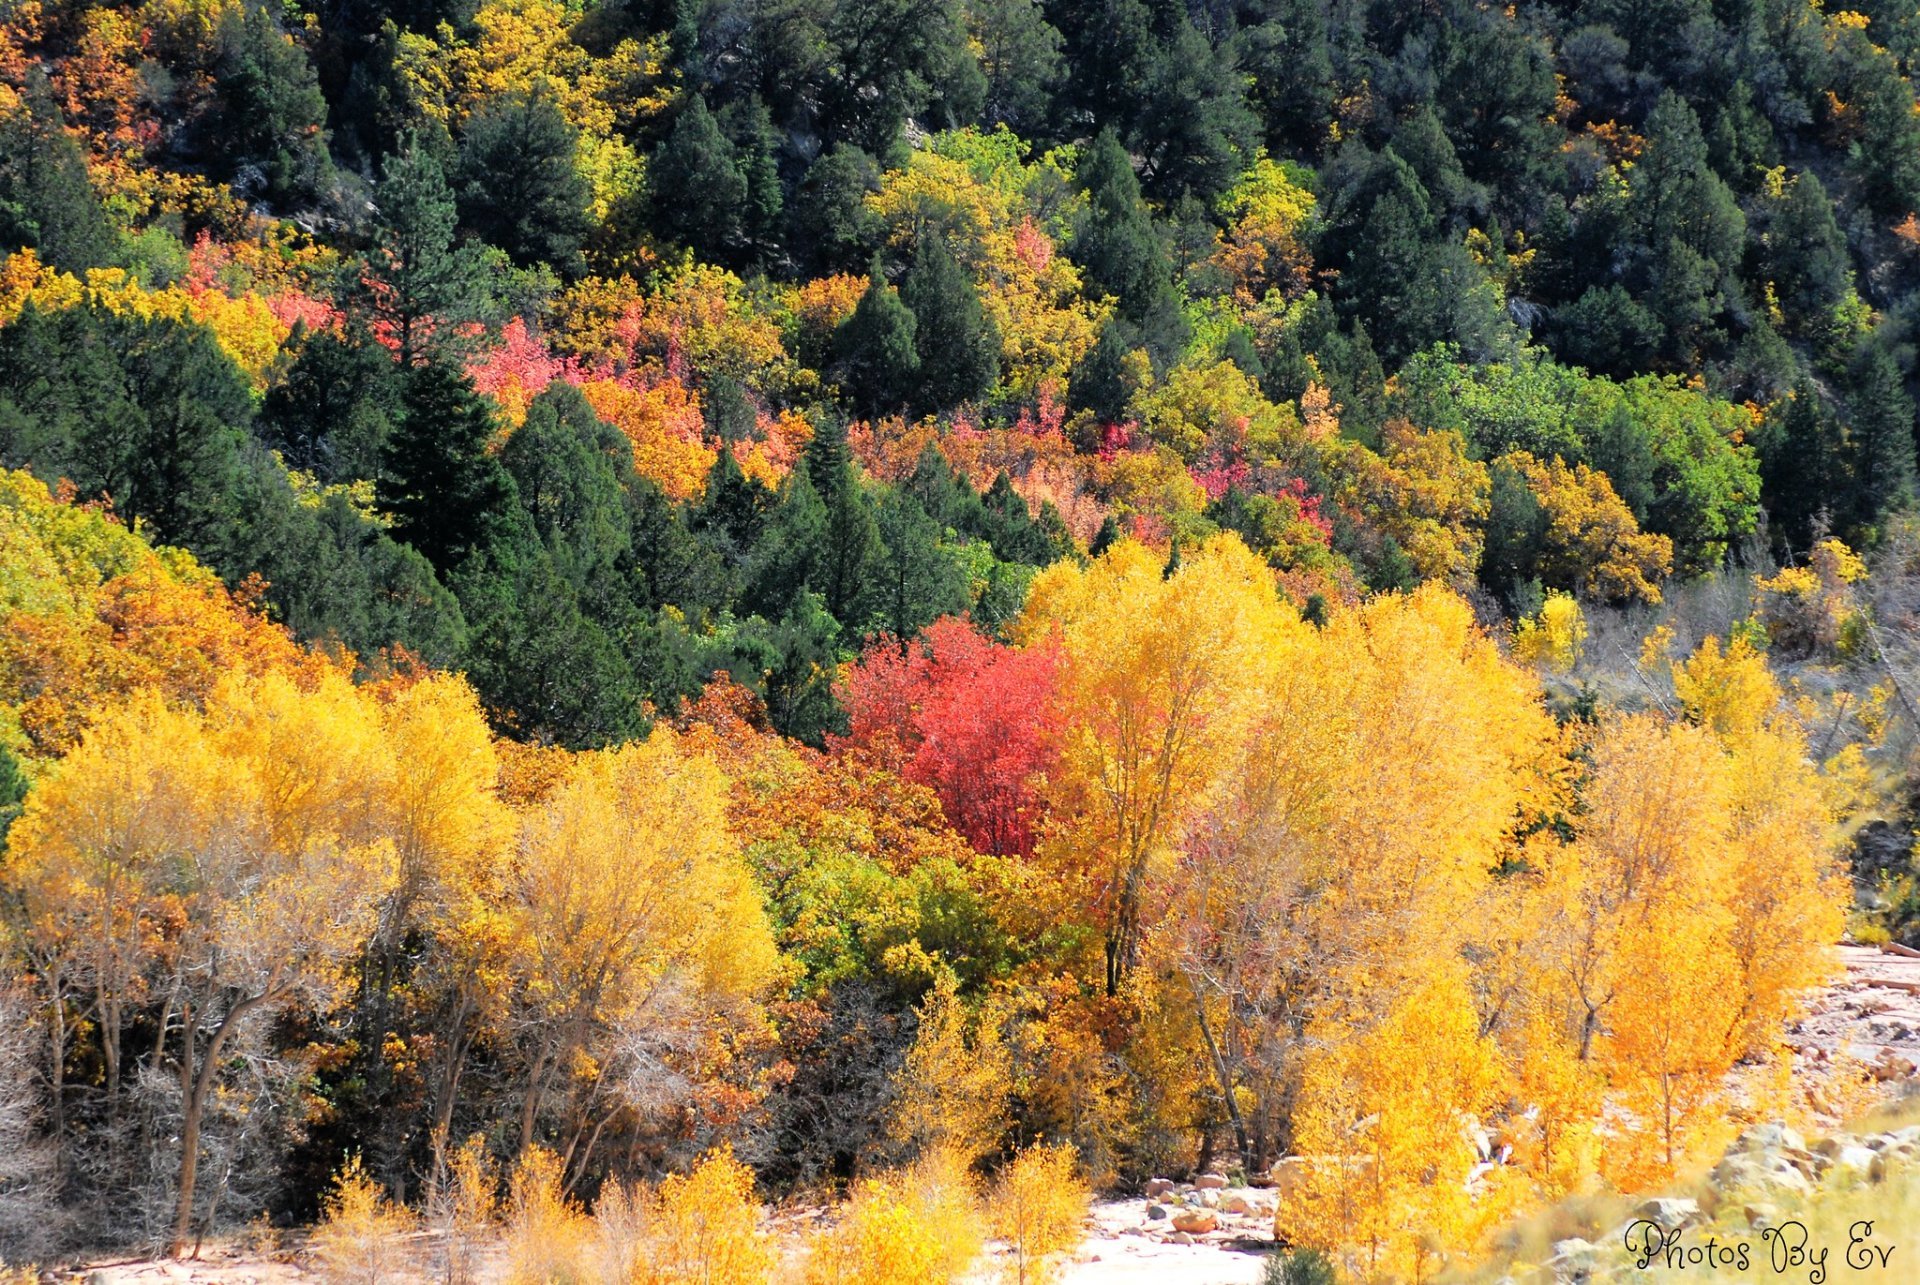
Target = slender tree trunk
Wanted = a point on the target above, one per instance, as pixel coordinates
(1222, 1077)
(198, 1085)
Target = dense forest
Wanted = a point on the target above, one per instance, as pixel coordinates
(830, 585)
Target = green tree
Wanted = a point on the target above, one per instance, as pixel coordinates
(420, 287)
(1803, 468)
(1120, 253)
(331, 410)
(149, 412)
(519, 184)
(918, 579)
(699, 194)
(1806, 254)
(267, 129)
(446, 491)
(1880, 420)
(47, 201)
(1288, 59)
(1020, 57)
(957, 347)
(565, 476)
(877, 356)
(829, 227)
(1687, 229)
(1192, 127)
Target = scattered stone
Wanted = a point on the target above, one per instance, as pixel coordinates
(1193, 1221)
(1768, 1137)
(1158, 1187)
(1156, 1212)
(1852, 1161)
(1235, 1205)
(1179, 1238)
(1208, 1199)
(1210, 1181)
(1671, 1212)
(1760, 1215)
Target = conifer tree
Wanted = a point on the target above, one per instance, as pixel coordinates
(1880, 419)
(699, 194)
(1121, 254)
(46, 199)
(446, 491)
(876, 351)
(519, 185)
(421, 286)
(956, 344)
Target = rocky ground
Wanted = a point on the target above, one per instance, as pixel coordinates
(1206, 1232)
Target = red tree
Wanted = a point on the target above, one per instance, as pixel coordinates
(972, 719)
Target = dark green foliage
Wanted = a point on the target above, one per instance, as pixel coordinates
(1880, 420)
(447, 494)
(568, 478)
(1687, 232)
(1286, 55)
(917, 578)
(331, 412)
(149, 413)
(958, 349)
(46, 199)
(830, 228)
(730, 412)
(1020, 57)
(698, 192)
(334, 573)
(420, 286)
(756, 144)
(1120, 253)
(266, 127)
(1192, 127)
(1806, 254)
(876, 352)
(1803, 468)
(546, 672)
(518, 184)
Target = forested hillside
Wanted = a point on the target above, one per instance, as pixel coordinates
(866, 583)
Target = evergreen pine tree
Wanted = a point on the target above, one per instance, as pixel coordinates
(699, 194)
(957, 346)
(1120, 253)
(1881, 436)
(519, 185)
(421, 286)
(918, 580)
(446, 491)
(1806, 254)
(47, 201)
(875, 348)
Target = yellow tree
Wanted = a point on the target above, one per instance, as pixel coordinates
(1381, 1125)
(1397, 748)
(1657, 986)
(1161, 680)
(632, 915)
(242, 823)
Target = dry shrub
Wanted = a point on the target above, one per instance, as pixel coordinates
(1038, 1206)
(915, 1226)
(360, 1239)
(703, 1226)
(464, 1207)
(549, 1237)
